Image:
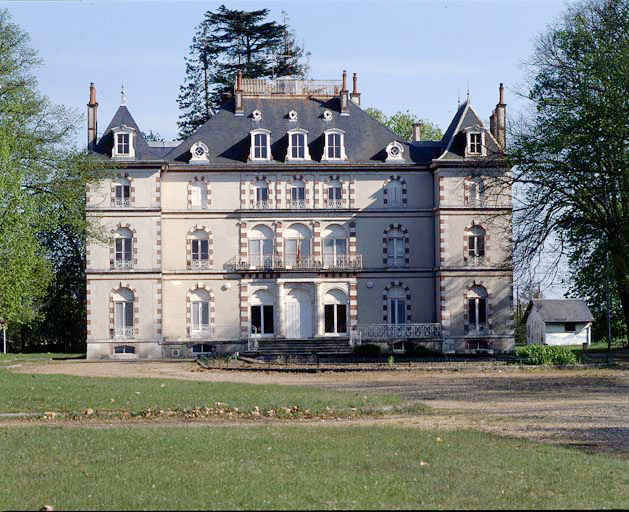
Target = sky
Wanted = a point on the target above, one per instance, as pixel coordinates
(413, 55)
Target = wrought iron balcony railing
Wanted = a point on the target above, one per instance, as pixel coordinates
(299, 203)
(291, 86)
(334, 203)
(200, 331)
(122, 202)
(262, 204)
(475, 261)
(123, 264)
(387, 332)
(199, 264)
(123, 333)
(292, 262)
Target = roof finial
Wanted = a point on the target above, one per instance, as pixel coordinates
(458, 97)
(468, 90)
(123, 97)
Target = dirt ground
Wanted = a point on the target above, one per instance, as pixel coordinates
(588, 408)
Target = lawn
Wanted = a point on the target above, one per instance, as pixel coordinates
(305, 467)
(71, 394)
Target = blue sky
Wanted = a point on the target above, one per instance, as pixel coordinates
(409, 55)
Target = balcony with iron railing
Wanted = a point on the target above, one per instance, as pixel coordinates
(202, 264)
(475, 261)
(124, 333)
(123, 264)
(341, 262)
(291, 87)
(122, 202)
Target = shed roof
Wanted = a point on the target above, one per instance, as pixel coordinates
(561, 310)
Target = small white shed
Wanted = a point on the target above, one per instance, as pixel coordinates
(558, 322)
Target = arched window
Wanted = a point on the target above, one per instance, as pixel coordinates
(334, 145)
(476, 245)
(123, 192)
(396, 305)
(297, 194)
(335, 306)
(298, 145)
(260, 144)
(123, 314)
(396, 253)
(262, 194)
(123, 241)
(200, 246)
(477, 308)
(334, 246)
(394, 193)
(261, 247)
(297, 246)
(198, 194)
(199, 313)
(261, 313)
(335, 194)
(477, 191)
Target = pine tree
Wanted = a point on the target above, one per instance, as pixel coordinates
(228, 40)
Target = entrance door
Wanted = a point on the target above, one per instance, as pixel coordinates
(298, 315)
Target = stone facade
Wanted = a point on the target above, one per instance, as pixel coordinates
(212, 251)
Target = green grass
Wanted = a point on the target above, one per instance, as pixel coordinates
(71, 394)
(6, 358)
(304, 467)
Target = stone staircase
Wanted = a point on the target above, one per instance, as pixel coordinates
(300, 348)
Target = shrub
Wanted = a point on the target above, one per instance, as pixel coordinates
(369, 349)
(545, 354)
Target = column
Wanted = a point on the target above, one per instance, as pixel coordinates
(318, 313)
(281, 329)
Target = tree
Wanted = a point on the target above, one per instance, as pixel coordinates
(42, 184)
(571, 150)
(228, 40)
(401, 123)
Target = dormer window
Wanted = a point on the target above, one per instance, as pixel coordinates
(334, 145)
(260, 145)
(123, 142)
(298, 145)
(475, 142)
(199, 153)
(394, 152)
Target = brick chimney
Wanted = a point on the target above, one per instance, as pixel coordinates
(498, 120)
(92, 121)
(239, 108)
(344, 100)
(355, 96)
(417, 132)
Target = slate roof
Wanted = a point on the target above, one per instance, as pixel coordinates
(561, 310)
(228, 136)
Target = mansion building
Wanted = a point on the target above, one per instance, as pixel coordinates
(293, 217)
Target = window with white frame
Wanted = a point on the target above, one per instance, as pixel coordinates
(476, 245)
(477, 191)
(200, 247)
(334, 145)
(394, 193)
(335, 194)
(261, 314)
(334, 246)
(261, 247)
(396, 305)
(475, 145)
(396, 251)
(123, 314)
(262, 194)
(122, 192)
(298, 145)
(335, 312)
(123, 144)
(123, 248)
(477, 308)
(198, 194)
(200, 313)
(297, 194)
(297, 246)
(124, 349)
(260, 145)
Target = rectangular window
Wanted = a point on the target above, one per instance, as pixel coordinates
(123, 144)
(334, 250)
(200, 316)
(298, 142)
(341, 318)
(200, 250)
(298, 193)
(477, 246)
(396, 251)
(335, 318)
(123, 251)
(334, 145)
(262, 319)
(267, 319)
(397, 309)
(261, 252)
(477, 313)
(123, 319)
(122, 195)
(259, 147)
(475, 143)
(570, 327)
(262, 194)
(297, 250)
(329, 318)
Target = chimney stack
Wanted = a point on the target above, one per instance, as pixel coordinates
(239, 109)
(92, 122)
(355, 96)
(500, 120)
(417, 132)
(344, 105)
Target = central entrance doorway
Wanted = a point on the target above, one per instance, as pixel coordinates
(298, 314)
